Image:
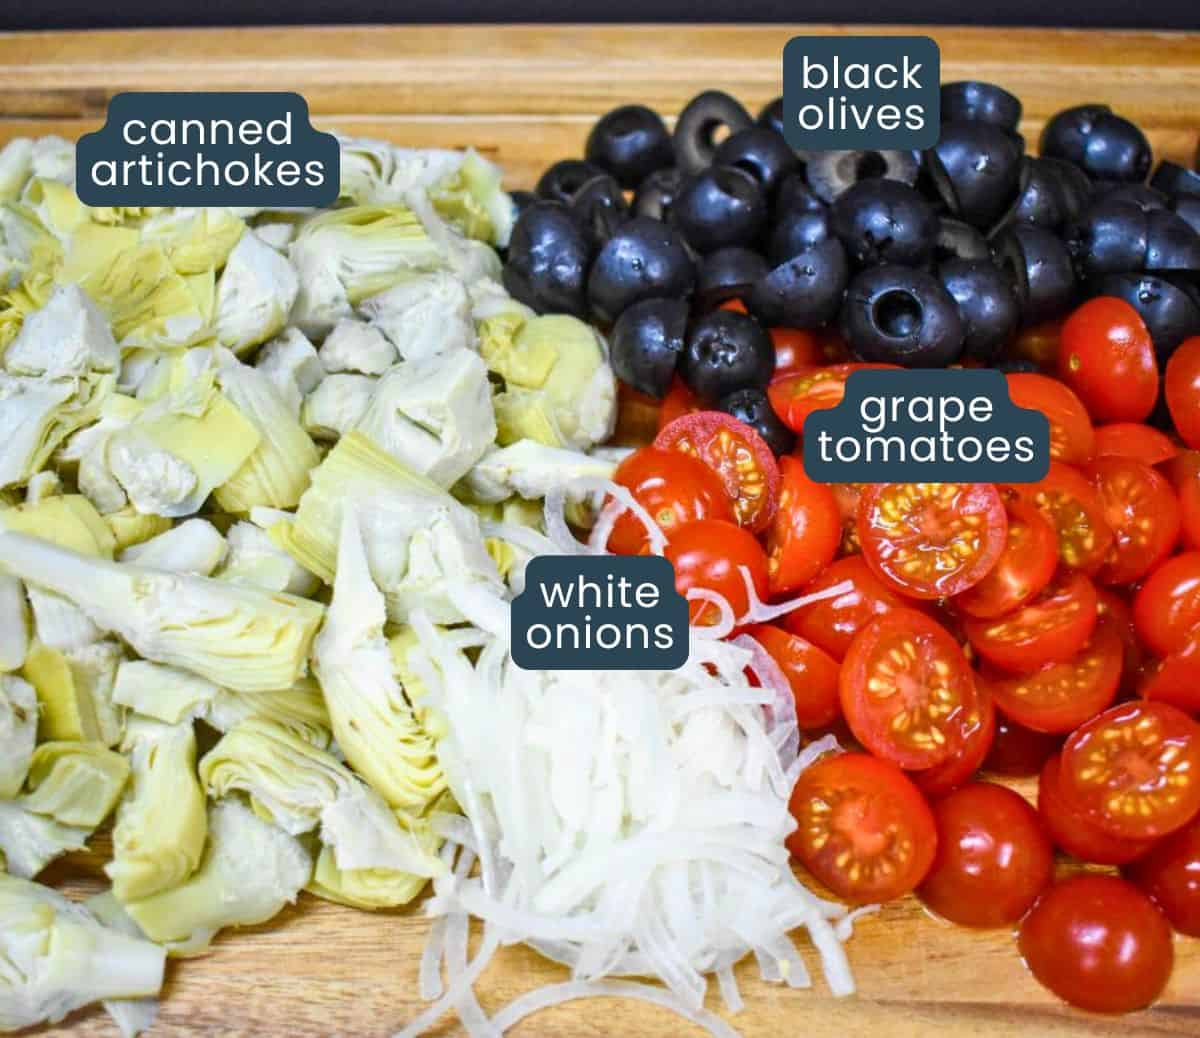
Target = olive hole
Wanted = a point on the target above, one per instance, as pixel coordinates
(870, 164)
(897, 313)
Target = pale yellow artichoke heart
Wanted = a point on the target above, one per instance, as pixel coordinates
(195, 241)
(235, 636)
(165, 694)
(130, 527)
(370, 889)
(76, 783)
(372, 721)
(249, 871)
(162, 824)
(70, 521)
(37, 415)
(300, 710)
(18, 732)
(55, 957)
(74, 689)
(29, 841)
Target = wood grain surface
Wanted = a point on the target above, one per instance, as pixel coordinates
(525, 96)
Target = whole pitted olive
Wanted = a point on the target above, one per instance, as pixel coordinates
(1040, 268)
(630, 142)
(1100, 142)
(720, 207)
(762, 153)
(804, 291)
(1050, 193)
(976, 168)
(726, 351)
(898, 315)
(647, 342)
(644, 259)
(695, 138)
(560, 182)
(884, 221)
(987, 305)
(548, 258)
(973, 101)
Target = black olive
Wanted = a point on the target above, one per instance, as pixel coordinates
(1050, 193)
(719, 207)
(1040, 268)
(1170, 313)
(976, 170)
(973, 101)
(830, 173)
(762, 153)
(548, 257)
(522, 200)
(726, 351)
(797, 232)
(792, 195)
(987, 304)
(728, 274)
(656, 194)
(1172, 245)
(771, 116)
(898, 315)
(1174, 180)
(958, 240)
(883, 221)
(752, 407)
(601, 207)
(695, 130)
(1144, 197)
(647, 342)
(630, 142)
(560, 182)
(1188, 210)
(1110, 238)
(645, 258)
(1103, 144)
(803, 292)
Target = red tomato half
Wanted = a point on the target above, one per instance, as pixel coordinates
(675, 488)
(863, 829)
(737, 454)
(905, 686)
(977, 730)
(1135, 769)
(1170, 874)
(708, 554)
(992, 861)
(1024, 568)
(1070, 504)
(1167, 607)
(1072, 830)
(795, 350)
(1072, 438)
(1133, 440)
(1098, 943)
(1175, 679)
(1141, 510)
(931, 540)
(1107, 357)
(812, 674)
(1183, 390)
(806, 531)
(833, 622)
(796, 395)
(847, 496)
(1061, 696)
(1050, 629)
(679, 401)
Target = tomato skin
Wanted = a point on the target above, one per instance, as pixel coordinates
(811, 672)
(1141, 510)
(992, 861)
(1018, 751)
(931, 540)
(806, 531)
(910, 712)
(1072, 438)
(737, 454)
(863, 829)
(679, 401)
(1170, 873)
(832, 623)
(1071, 505)
(1183, 390)
(1050, 629)
(1135, 769)
(1184, 473)
(977, 730)
(1166, 609)
(1098, 943)
(707, 554)
(1107, 357)
(1176, 678)
(1039, 343)
(674, 488)
(1061, 696)
(1025, 567)
(1072, 830)
(796, 395)
(795, 349)
(1135, 441)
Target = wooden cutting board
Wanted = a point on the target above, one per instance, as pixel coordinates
(525, 96)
